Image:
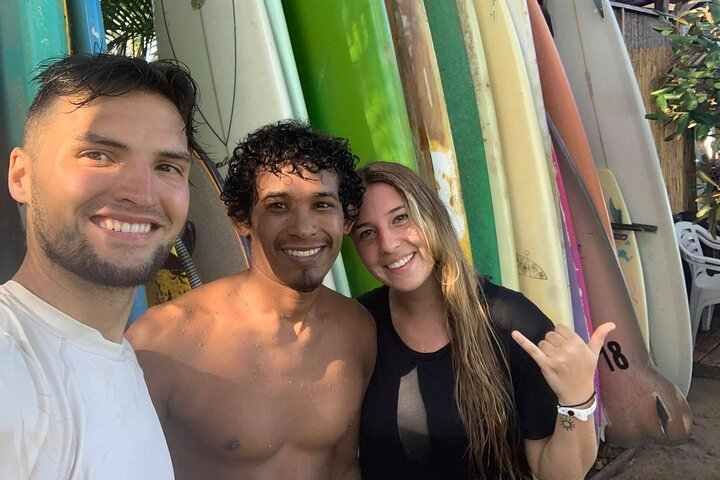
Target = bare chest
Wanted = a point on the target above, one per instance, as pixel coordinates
(246, 405)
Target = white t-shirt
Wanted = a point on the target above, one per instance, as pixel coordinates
(73, 405)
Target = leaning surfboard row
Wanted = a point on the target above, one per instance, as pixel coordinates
(536, 144)
(416, 83)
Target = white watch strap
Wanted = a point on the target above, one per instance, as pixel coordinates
(580, 414)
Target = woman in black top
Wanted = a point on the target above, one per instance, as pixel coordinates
(470, 376)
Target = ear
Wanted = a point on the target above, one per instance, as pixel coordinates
(347, 226)
(19, 174)
(242, 227)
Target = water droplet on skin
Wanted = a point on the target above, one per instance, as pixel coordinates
(200, 344)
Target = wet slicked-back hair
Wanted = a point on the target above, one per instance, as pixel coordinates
(294, 144)
(90, 76)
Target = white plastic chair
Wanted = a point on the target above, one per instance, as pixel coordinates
(705, 272)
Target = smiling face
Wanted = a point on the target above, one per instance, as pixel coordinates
(106, 186)
(388, 242)
(296, 227)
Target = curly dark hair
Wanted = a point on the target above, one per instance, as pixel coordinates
(295, 144)
(90, 76)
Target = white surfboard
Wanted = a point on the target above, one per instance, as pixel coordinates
(605, 89)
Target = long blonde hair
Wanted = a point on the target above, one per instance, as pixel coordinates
(482, 381)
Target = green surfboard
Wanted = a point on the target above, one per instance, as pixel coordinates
(276, 16)
(447, 36)
(351, 83)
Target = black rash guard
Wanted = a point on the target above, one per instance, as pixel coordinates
(410, 426)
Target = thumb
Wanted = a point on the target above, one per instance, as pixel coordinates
(598, 337)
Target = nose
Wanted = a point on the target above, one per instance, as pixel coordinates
(388, 241)
(136, 184)
(303, 223)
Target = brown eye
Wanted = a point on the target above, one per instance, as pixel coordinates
(98, 156)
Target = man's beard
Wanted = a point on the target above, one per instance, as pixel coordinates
(307, 282)
(68, 249)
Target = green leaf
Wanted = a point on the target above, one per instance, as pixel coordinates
(682, 123)
(706, 118)
(701, 131)
(688, 102)
(706, 178)
(704, 211)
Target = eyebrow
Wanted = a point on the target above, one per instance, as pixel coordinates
(389, 212)
(109, 142)
(285, 195)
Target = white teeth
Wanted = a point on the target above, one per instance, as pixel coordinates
(125, 227)
(401, 262)
(303, 253)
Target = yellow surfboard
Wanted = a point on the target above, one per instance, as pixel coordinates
(536, 227)
(491, 141)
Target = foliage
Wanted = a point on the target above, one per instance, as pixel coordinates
(690, 98)
(129, 26)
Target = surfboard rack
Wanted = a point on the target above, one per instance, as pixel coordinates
(634, 227)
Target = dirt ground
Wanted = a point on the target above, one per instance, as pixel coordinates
(697, 459)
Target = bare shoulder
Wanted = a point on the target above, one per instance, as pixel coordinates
(354, 326)
(162, 327)
(349, 313)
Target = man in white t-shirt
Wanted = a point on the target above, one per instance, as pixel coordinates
(103, 173)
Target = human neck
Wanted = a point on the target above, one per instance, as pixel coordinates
(425, 301)
(106, 309)
(274, 298)
(418, 317)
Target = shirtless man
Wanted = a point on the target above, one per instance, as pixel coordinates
(103, 175)
(261, 375)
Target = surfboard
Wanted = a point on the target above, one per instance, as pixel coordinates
(609, 101)
(230, 51)
(457, 82)
(627, 376)
(491, 142)
(337, 278)
(578, 289)
(428, 112)
(562, 109)
(542, 269)
(519, 15)
(582, 317)
(352, 88)
(627, 249)
(87, 33)
(31, 32)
